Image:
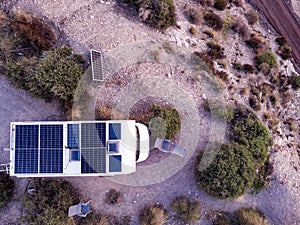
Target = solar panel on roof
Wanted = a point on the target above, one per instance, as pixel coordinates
(26, 149)
(93, 160)
(97, 65)
(115, 162)
(93, 135)
(114, 131)
(73, 136)
(51, 148)
(93, 147)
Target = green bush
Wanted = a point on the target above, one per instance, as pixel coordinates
(213, 20)
(220, 4)
(246, 129)
(249, 216)
(295, 81)
(159, 14)
(188, 209)
(267, 57)
(6, 188)
(153, 215)
(53, 77)
(49, 203)
(231, 173)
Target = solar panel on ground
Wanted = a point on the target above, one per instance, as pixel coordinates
(97, 65)
(73, 136)
(93, 147)
(51, 148)
(26, 149)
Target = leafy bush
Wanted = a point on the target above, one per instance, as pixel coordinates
(213, 20)
(232, 172)
(249, 216)
(113, 196)
(168, 115)
(220, 4)
(267, 57)
(252, 16)
(295, 81)
(159, 14)
(188, 209)
(6, 188)
(246, 129)
(34, 29)
(49, 203)
(153, 215)
(53, 77)
(230, 175)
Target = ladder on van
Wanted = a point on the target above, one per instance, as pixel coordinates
(4, 168)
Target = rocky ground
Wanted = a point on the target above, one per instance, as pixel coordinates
(105, 25)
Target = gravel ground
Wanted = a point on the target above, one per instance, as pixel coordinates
(88, 24)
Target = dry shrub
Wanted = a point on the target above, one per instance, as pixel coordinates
(281, 41)
(215, 51)
(193, 30)
(252, 16)
(255, 42)
(237, 3)
(213, 20)
(188, 209)
(206, 3)
(241, 28)
(104, 112)
(285, 52)
(220, 4)
(113, 197)
(194, 15)
(153, 215)
(249, 216)
(34, 29)
(255, 102)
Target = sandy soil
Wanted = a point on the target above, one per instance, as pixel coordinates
(91, 24)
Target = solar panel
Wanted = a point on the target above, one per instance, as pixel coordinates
(93, 135)
(114, 131)
(51, 148)
(115, 162)
(93, 160)
(73, 136)
(26, 149)
(97, 65)
(93, 147)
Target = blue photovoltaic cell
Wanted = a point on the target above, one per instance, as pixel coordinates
(73, 136)
(26, 149)
(114, 131)
(93, 160)
(115, 162)
(51, 148)
(93, 135)
(93, 151)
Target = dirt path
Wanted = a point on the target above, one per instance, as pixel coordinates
(283, 19)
